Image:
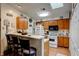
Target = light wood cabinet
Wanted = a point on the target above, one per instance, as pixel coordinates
(17, 22)
(60, 41)
(51, 23)
(21, 24)
(63, 23)
(66, 42)
(60, 24)
(45, 24)
(66, 24)
(46, 48)
(63, 42)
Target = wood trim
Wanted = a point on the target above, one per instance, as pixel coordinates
(0, 36)
(46, 48)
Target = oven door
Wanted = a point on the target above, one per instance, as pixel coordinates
(52, 41)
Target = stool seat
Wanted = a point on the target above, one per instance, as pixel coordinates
(32, 51)
(27, 50)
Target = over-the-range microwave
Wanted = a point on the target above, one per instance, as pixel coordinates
(53, 28)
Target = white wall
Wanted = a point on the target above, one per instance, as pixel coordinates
(74, 32)
(30, 29)
(5, 8)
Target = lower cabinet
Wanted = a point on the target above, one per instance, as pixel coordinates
(60, 42)
(63, 42)
(46, 48)
(66, 41)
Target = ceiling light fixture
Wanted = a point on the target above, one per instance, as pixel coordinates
(56, 5)
(43, 14)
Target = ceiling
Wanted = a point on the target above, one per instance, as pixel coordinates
(31, 9)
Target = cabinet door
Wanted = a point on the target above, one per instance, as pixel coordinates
(21, 24)
(60, 24)
(24, 24)
(17, 22)
(51, 23)
(60, 42)
(66, 42)
(54, 22)
(66, 23)
(46, 48)
(45, 24)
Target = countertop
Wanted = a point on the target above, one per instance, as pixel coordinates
(38, 42)
(29, 36)
(46, 39)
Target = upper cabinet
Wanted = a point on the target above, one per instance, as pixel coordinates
(17, 22)
(62, 23)
(66, 23)
(51, 23)
(21, 23)
(45, 24)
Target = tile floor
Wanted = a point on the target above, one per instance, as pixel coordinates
(59, 51)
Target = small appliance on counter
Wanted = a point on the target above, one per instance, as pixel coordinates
(22, 31)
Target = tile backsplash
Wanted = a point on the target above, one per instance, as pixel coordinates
(63, 33)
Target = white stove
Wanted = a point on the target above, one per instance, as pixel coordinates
(53, 39)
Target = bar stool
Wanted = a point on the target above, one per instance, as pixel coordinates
(16, 44)
(26, 49)
(10, 45)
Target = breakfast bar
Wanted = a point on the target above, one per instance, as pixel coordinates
(36, 41)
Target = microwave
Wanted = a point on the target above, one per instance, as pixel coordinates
(53, 28)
